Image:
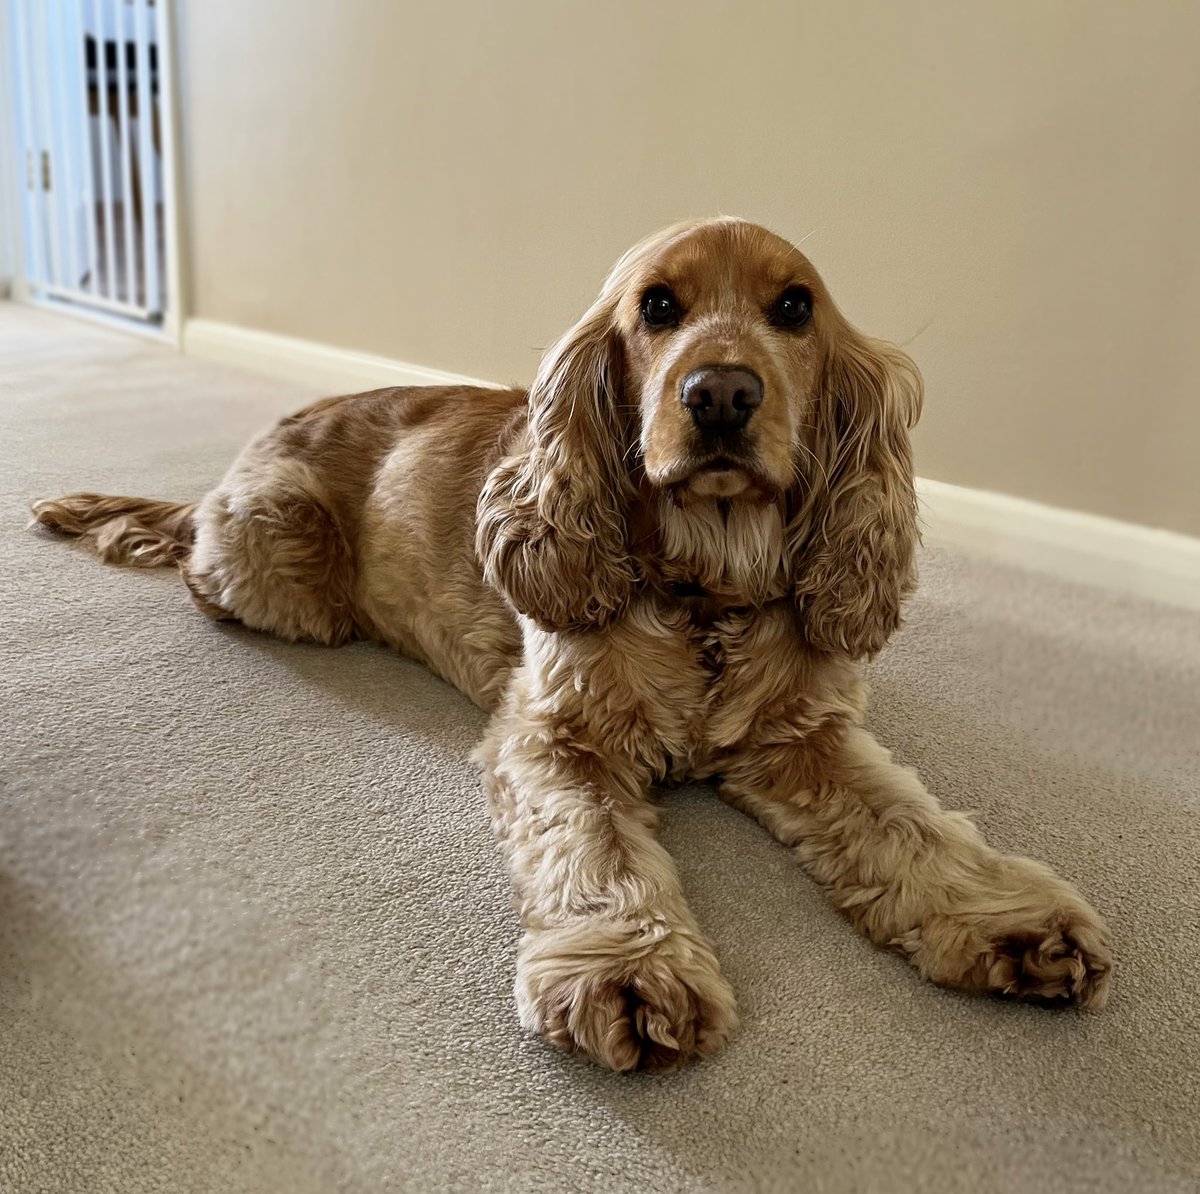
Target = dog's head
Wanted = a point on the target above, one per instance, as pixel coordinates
(714, 367)
(721, 343)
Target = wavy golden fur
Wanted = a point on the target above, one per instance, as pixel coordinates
(663, 562)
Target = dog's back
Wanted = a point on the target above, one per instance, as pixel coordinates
(351, 518)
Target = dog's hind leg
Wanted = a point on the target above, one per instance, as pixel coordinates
(269, 552)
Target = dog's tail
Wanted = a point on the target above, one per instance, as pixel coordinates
(128, 531)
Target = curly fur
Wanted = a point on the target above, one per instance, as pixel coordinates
(551, 526)
(633, 610)
(855, 564)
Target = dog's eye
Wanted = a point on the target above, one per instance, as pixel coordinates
(660, 308)
(793, 308)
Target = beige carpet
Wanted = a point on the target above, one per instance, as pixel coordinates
(254, 935)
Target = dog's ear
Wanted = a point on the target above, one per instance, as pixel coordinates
(853, 543)
(551, 527)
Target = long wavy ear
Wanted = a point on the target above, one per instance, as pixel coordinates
(854, 542)
(551, 526)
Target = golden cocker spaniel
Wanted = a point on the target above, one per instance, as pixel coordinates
(662, 562)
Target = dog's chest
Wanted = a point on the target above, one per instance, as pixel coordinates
(732, 667)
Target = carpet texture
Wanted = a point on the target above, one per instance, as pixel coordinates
(254, 935)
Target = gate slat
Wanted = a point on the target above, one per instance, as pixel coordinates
(131, 255)
(147, 117)
(74, 35)
(65, 194)
(106, 177)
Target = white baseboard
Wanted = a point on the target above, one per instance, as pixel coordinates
(320, 366)
(1120, 556)
(1081, 547)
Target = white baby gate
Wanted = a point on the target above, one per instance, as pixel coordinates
(91, 125)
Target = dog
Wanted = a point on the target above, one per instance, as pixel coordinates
(664, 561)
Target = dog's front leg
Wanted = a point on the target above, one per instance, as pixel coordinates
(918, 878)
(611, 962)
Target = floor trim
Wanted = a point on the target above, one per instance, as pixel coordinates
(1121, 556)
(1080, 547)
(321, 366)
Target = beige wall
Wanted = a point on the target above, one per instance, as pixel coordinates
(1012, 189)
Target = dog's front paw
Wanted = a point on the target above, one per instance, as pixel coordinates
(1019, 931)
(628, 995)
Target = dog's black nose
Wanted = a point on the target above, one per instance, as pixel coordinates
(721, 397)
